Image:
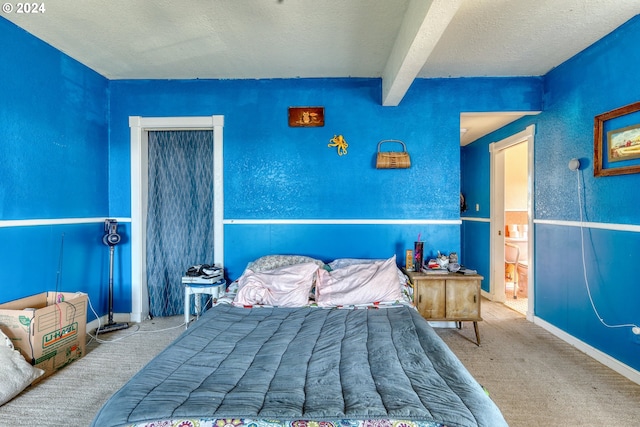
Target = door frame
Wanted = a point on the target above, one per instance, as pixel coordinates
(140, 127)
(496, 238)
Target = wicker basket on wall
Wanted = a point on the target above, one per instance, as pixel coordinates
(392, 159)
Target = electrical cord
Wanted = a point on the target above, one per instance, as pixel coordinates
(584, 266)
(29, 331)
(136, 331)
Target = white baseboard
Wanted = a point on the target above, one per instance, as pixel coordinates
(598, 355)
(138, 317)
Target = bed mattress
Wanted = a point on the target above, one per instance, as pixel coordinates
(296, 366)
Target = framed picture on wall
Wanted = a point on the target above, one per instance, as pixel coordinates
(617, 141)
(306, 116)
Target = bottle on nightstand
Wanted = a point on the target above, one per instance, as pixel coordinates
(409, 260)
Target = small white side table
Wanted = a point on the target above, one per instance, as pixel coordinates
(196, 286)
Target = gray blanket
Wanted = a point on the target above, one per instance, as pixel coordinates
(305, 364)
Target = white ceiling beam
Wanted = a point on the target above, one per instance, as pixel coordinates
(423, 24)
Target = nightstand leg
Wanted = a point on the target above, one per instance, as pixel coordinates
(187, 296)
(196, 304)
(475, 327)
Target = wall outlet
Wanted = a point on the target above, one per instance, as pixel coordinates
(477, 207)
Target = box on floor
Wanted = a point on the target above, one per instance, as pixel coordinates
(49, 329)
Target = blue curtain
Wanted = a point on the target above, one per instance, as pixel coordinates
(179, 214)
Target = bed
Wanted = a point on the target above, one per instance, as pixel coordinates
(302, 344)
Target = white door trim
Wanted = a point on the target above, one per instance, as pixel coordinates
(140, 127)
(496, 239)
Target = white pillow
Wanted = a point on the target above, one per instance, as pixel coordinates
(15, 373)
(359, 284)
(287, 286)
(270, 262)
(346, 262)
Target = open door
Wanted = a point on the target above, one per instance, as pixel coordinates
(497, 226)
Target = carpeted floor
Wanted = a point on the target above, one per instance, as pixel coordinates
(534, 378)
(537, 379)
(72, 396)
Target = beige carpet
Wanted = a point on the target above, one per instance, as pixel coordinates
(535, 379)
(72, 396)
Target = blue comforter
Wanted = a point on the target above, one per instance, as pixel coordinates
(305, 364)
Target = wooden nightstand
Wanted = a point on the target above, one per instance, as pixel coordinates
(448, 297)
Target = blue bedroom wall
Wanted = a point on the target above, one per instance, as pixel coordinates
(53, 130)
(276, 172)
(474, 234)
(591, 83)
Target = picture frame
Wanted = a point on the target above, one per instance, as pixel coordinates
(306, 116)
(616, 136)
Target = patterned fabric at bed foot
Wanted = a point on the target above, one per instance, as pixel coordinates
(240, 422)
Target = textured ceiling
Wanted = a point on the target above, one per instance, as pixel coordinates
(522, 37)
(397, 40)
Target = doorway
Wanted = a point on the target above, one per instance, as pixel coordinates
(179, 213)
(516, 231)
(140, 128)
(512, 205)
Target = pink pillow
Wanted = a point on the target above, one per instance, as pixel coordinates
(359, 284)
(287, 286)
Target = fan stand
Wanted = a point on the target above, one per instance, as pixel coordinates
(111, 326)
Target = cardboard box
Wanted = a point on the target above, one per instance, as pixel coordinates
(49, 329)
